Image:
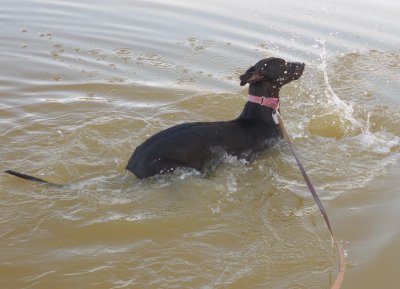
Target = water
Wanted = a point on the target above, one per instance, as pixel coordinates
(84, 83)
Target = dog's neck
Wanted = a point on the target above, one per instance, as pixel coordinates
(256, 112)
(264, 88)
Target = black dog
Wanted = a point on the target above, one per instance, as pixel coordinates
(195, 145)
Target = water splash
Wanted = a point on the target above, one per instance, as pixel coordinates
(380, 142)
(345, 109)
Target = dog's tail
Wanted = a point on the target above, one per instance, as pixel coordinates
(27, 177)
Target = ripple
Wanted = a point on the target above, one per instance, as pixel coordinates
(89, 74)
(95, 52)
(47, 34)
(150, 56)
(115, 79)
(122, 51)
(166, 65)
(112, 91)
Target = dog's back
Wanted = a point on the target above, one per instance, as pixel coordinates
(196, 144)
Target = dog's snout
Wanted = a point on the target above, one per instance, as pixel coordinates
(297, 69)
(298, 65)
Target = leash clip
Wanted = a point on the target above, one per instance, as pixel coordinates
(276, 116)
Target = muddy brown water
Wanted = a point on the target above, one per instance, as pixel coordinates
(83, 83)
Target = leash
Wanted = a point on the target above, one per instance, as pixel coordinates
(273, 102)
(342, 258)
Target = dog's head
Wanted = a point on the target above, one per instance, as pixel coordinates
(274, 70)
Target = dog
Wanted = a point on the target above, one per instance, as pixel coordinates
(197, 145)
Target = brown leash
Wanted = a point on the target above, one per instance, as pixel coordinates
(342, 259)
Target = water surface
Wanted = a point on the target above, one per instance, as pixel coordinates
(82, 84)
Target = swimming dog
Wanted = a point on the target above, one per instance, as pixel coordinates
(196, 145)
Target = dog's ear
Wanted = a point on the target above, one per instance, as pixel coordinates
(251, 76)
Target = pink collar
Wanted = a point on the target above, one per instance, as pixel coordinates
(270, 102)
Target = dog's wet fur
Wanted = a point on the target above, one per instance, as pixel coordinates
(195, 145)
